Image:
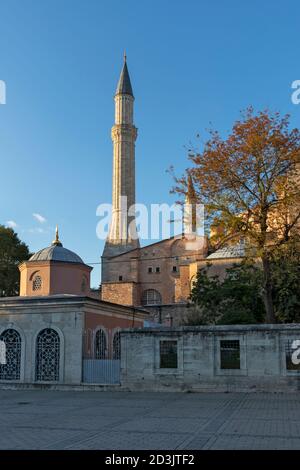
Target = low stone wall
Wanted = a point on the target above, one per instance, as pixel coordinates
(217, 358)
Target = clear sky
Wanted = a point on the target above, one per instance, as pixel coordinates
(191, 63)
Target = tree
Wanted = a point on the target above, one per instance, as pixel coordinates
(285, 271)
(12, 252)
(249, 182)
(234, 300)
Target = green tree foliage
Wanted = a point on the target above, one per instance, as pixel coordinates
(235, 300)
(238, 299)
(12, 252)
(285, 269)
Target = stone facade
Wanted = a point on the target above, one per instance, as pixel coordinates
(166, 267)
(73, 319)
(262, 358)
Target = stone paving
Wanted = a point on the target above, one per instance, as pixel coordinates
(39, 419)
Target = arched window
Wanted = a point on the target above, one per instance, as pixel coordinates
(47, 356)
(117, 346)
(37, 283)
(84, 284)
(100, 345)
(11, 369)
(151, 297)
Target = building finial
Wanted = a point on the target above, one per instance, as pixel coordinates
(57, 241)
(125, 56)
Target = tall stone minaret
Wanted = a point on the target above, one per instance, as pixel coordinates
(190, 210)
(122, 234)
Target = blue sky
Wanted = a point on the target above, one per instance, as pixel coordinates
(191, 63)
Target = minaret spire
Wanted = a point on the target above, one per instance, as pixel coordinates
(190, 209)
(122, 236)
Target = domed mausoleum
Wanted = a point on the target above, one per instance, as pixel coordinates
(54, 270)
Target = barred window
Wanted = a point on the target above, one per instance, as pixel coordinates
(11, 369)
(117, 346)
(292, 355)
(151, 297)
(83, 284)
(47, 355)
(168, 354)
(230, 354)
(37, 283)
(100, 345)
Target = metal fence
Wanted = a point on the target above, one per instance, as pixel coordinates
(101, 360)
(101, 371)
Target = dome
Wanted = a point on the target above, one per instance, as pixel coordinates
(234, 251)
(56, 252)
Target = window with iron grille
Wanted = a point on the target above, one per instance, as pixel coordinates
(289, 358)
(11, 369)
(230, 354)
(83, 284)
(100, 344)
(151, 297)
(47, 355)
(117, 346)
(168, 354)
(37, 283)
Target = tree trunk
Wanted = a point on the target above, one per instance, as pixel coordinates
(267, 297)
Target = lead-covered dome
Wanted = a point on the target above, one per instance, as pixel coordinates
(56, 252)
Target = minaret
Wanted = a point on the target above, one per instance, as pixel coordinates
(190, 210)
(122, 234)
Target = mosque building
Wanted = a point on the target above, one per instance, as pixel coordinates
(158, 276)
(58, 330)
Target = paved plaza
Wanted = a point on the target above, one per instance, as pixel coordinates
(41, 419)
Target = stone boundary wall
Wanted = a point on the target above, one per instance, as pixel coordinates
(262, 359)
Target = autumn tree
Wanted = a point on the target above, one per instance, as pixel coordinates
(12, 252)
(249, 183)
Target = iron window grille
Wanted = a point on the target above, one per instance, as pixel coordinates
(230, 354)
(100, 345)
(47, 356)
(168, 354)
(288, 357)
(151, 297)
(37, 283)
(117, 346)
(11, 370)
(83, 284)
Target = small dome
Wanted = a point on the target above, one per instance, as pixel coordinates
(56, 252)
(233, 251)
